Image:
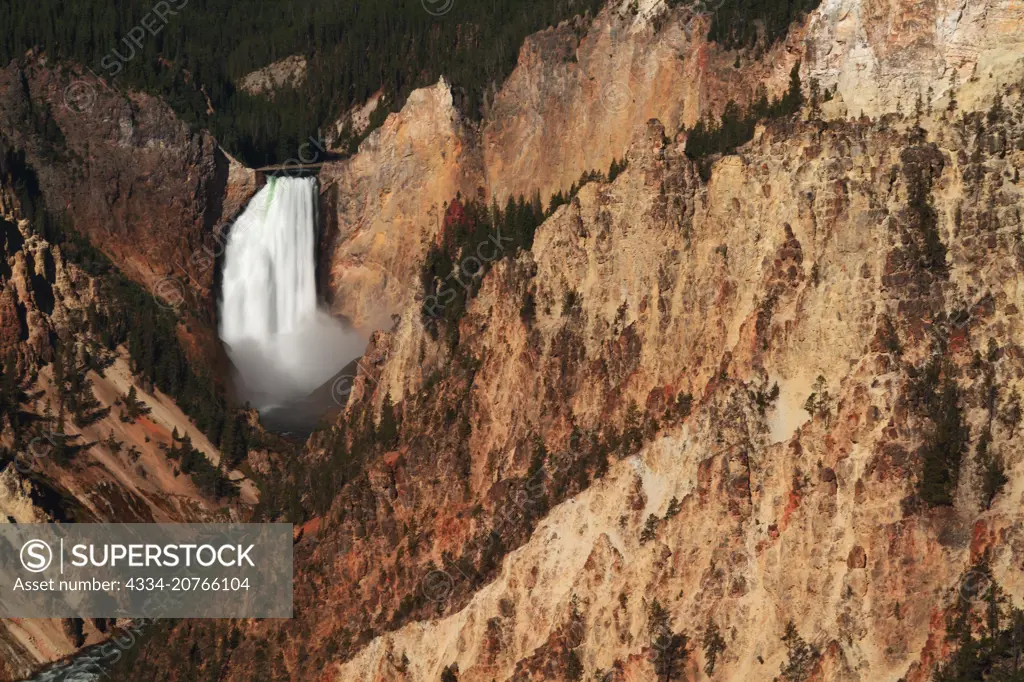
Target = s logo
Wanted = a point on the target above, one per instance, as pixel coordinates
(36, 556)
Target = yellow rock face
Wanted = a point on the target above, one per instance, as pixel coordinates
(802, 262)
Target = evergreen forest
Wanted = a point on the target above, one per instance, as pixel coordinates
(192, 53)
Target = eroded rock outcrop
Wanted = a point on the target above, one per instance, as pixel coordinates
(718, 400)
(130, 175)
(607, 431)
(384, 205)
(884, 56)
(289, 72)
(705, 393)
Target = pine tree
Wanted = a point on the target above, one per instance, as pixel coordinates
(802, 656)
(133, 408)
(714, 645)
(669, 648)
(815, 101)
(387, 429)
(232, 442)
(132, 402)
(794, 98)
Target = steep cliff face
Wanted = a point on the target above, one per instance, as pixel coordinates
(384, 205)
(608, 434)
(99, 469)
(573, 103)
(581, 91)
(810, 254)
(884, 55)
(138, 184)
(714, 395)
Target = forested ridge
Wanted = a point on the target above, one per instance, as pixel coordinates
(192, 53)
(194, 49)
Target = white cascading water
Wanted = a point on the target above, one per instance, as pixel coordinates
(283, 345)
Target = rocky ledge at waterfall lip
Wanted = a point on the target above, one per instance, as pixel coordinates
(138, 183)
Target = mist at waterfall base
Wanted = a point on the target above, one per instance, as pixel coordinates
(285, 348)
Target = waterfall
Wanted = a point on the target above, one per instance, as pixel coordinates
(283, 345)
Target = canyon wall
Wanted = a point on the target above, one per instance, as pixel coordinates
(883, 56)
(384, 205)
(800, 258)
(581, 90)
(716, 395)
(136, 182)
(804, 263)
(102, 469)
(704, 392)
